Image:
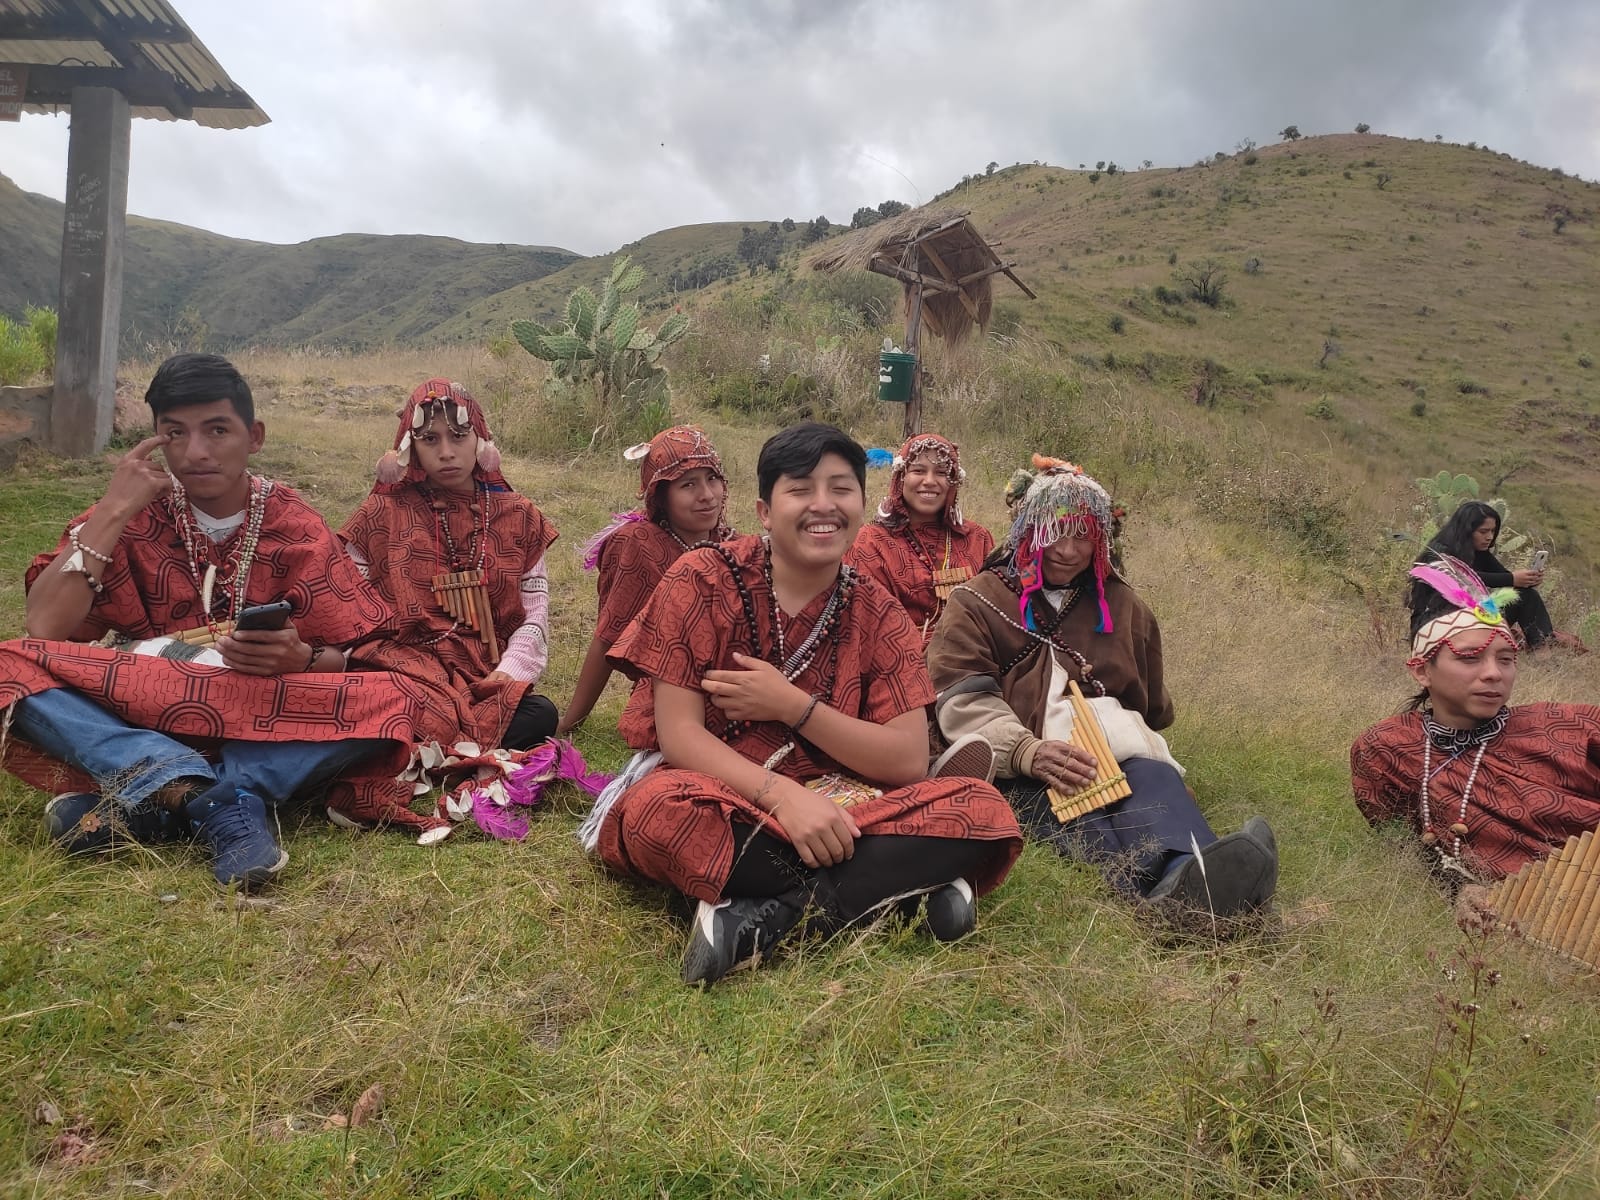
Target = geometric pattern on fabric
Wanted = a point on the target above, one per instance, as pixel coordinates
(397, 533)
(1538, 783)
(675, 826)
(888, 556)
(694, 622)
(632, 561)
(149, 590)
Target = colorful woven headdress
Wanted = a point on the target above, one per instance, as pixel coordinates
(1059, 501)
(667, 457)
(1472, 606)
(893, 511)
(438, 398)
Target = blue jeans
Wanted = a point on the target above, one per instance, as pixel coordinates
(129, 765)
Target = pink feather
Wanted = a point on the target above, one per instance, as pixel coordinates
(1448, 585)
(503, 822)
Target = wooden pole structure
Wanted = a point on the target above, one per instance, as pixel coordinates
(91, 272)
(913, 328)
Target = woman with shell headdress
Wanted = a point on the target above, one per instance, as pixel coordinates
(1050, 611)
(683, 500)
(460, 557)
(919, 546)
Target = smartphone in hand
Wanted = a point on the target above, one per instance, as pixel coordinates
(1540, 559)
(265, 616)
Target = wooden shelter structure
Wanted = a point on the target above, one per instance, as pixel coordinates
(945, 267)
(107, 61)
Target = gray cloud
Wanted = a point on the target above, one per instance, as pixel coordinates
(590, 125)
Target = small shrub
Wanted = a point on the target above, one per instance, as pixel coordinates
(1172, 259)
(1118, 323)
(1585, 361)
(1321, 410)
(1419, 408)
(28, 346)
(1251, 159)
(1203, 280)
(1363, 128)
(1252, 266)
(1469, 387)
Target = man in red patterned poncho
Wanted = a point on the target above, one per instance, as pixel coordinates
(163, 746)
(1488, 788)
(774, 670)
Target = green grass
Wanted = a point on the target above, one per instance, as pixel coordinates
(521, 1008)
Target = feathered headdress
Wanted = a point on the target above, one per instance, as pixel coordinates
(438, 398)
(892, 511)
(1471, 604)
(1059, 501)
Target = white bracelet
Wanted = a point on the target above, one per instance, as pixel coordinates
(72, 537)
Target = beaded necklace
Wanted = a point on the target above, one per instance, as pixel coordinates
(791, 665)
(1457, 742)
(1048, 637)
(477, 540)
(240, 558)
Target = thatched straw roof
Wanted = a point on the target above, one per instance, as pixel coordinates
(938, 248)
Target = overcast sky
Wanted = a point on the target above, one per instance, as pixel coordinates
(587, 125)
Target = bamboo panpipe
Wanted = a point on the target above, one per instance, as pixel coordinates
(465, 596)
(1110, 781)
(1555, 902)
(205, 635)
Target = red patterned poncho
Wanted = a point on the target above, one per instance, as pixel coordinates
(150, 591)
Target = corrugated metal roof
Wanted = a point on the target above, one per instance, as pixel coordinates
(194, 73)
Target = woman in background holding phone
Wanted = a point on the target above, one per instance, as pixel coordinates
(1470, 535)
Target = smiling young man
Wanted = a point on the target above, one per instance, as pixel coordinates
(919, 546)
(1049, 610)
(1486, 787)
(168, 740)
(783, 737)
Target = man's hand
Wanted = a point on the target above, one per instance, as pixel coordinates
(265, 651)
(137, 480)
(1473, 910)
(756, 692)
(1063, 766)
(821, 831)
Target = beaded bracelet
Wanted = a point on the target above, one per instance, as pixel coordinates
(311, 663)
(806, 716)
(72, 537)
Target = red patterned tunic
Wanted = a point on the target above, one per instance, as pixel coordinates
(150, 592)
(903, 561)
(1538, 783)
(674, 825)
(632, 561)
(397, 535)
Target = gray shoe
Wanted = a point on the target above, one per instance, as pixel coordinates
(969, 757)
(952, 911)
(1235, 874)
(733, 934)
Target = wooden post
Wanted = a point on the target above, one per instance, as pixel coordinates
(90, 302)
(914, 327)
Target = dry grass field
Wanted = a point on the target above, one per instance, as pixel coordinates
(521, 1011)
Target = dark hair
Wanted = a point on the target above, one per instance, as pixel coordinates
(1455, 535)
(798, 449)
(185, 380)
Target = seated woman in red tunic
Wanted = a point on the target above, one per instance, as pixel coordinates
(783, 735)
(1486, 787)
(684, 496)
(919, 546)
(442, 514)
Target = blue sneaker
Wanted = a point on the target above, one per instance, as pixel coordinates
(84, 823)
(234, 824)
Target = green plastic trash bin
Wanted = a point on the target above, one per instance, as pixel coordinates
(894, 376)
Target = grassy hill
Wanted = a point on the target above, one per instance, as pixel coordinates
(350, 290)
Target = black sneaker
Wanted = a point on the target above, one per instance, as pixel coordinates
(952, 911)
(734, 934)
(234, 825)
(84, 823)
(1236, 873)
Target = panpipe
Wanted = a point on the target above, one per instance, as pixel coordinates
(1110, 780)
(464, 595)
(205, 635)
(1555, 902)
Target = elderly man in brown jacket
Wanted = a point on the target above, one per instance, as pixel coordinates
(1049, 611)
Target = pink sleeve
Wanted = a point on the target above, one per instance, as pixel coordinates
(528, 649)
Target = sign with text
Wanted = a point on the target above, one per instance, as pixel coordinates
(13, 87)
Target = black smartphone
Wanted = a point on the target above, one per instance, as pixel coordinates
(265, 616)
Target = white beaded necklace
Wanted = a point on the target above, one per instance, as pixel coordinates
(1450, 860)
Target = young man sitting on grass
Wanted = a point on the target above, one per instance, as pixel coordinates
(784, 734)
(167, 738)
(1487, 788)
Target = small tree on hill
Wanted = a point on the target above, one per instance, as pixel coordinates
(865, 216)
(1203, 280)
(991, 168)
(1290, 133)
(1363, 128)
(892, 208)
(816, 229)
